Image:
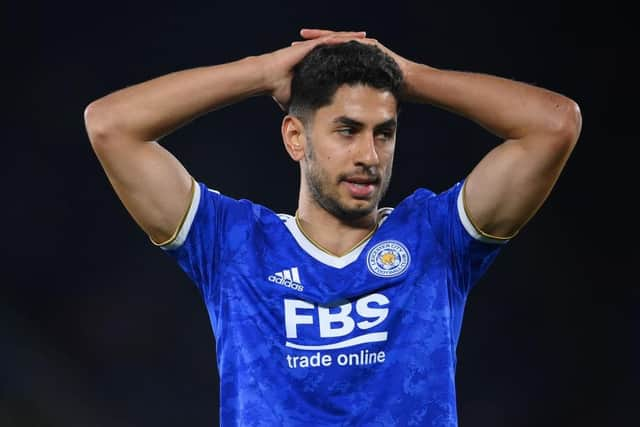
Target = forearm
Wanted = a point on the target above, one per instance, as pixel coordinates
(152, 109)
(507, 108)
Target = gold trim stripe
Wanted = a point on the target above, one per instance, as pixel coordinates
(480, 232)
(327, 251)
(184, 217)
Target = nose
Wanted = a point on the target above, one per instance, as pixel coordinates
(367, 154)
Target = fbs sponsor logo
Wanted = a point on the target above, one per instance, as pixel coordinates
(289, 278)
(351, 323)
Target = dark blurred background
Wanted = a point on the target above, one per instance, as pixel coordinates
(100, 328)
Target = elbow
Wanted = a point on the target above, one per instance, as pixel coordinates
(95, 122)
(572, 123)
(99, 121)
(566, 124)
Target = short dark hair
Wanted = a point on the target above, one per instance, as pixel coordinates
(327, 67)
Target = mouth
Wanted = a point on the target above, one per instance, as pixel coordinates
(361, 187)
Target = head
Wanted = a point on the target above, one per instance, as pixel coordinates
(341, 126)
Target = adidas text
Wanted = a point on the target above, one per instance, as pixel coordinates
(287, 278)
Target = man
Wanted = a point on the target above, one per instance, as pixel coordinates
(344, 314)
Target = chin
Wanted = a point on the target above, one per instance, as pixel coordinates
(346, 207)
(357, 210)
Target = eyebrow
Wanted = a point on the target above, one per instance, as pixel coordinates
(347, 121)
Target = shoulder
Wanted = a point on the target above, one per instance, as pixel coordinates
(426, 208)
(421, 198)
(223, 209)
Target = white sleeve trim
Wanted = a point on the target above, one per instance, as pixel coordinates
(188, 221)
(468, 225)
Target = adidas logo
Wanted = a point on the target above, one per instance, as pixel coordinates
(289, 278)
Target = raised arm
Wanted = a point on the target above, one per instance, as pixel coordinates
(540, 129)
(123, 128)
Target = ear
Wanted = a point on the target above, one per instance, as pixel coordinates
(293, 136)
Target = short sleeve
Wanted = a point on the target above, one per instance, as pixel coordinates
(205, 235)
(469, 251)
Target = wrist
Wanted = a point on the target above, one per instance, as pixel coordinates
(265, 69)
(259, 67)
(412, 72)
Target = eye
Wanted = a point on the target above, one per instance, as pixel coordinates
(346, 131)
(386, 135)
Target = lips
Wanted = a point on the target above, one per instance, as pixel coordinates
(360, 187)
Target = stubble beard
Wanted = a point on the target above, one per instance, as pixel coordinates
(319, 185)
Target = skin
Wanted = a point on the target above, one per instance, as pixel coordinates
(350, 140)
(539, 129)
(124, 127)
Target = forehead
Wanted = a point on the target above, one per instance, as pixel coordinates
(359, 102)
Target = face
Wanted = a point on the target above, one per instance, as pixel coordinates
(349, 151)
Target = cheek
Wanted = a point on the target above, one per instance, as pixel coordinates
(385, 154)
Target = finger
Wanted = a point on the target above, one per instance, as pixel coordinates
(324, 33)
(298, 42)
(368, 41)
(312, 33)
(317, 40)
(340, 38)
(334, 38)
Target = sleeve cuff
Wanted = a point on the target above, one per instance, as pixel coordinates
(180, 235)
(471, 228)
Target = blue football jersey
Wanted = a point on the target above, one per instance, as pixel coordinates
(305, 338)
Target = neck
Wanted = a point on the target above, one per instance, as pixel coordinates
(331, 234)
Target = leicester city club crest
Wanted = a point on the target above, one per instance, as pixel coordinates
(388, 259)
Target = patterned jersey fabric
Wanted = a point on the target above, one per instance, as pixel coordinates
(304, 338)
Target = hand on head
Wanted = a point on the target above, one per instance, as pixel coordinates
(285, 59)
(279, 70)
(314, 34)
